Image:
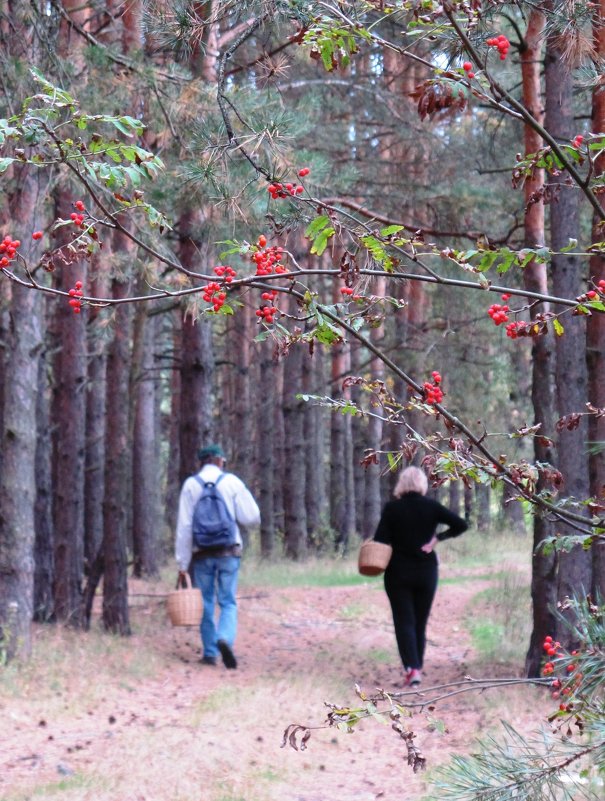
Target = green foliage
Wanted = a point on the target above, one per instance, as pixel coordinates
(560, 763)
(518, 767)
(320, 231)
(332, 43)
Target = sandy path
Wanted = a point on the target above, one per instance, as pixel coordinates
(323, 640)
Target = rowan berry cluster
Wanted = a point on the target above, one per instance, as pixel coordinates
(37, 235)
(8, 250)
(225, 272)
(267, 310)
(577, 141)
(553, 648)
(432, 391)
(268, 260)
(346, 290)
(501, 43)
(498, 313)
(513, 329)
(277, 190)
(75, 293)
(593, 294)
(468, 68)
(213, 293)
(76, 216)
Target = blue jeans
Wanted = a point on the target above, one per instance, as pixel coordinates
(216, 577)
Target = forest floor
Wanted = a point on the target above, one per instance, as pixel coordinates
(140, 719)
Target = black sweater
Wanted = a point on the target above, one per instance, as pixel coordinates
(410, 522)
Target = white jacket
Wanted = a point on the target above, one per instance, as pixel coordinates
(237, 497)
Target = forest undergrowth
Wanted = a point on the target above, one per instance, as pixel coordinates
(140, 719)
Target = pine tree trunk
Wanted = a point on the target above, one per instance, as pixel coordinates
(295, 515)
(197, 364)
(18, 475)
(574, 574)
(338, 512)
(314, 432)
(242, 418)
(543, 582)
(266, 450)
(482, 504)
(279, 450)
(19, 442)
(43, 510)
(372, 497)
(69, 414)
(117, 466)
(359, 431)
(173, 424)
(145, 468)
(454, 497)
(595, 331)
(96, 390)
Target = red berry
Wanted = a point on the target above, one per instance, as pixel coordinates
(37, 235)
(262, 241)
(467, 66)
(304, 171)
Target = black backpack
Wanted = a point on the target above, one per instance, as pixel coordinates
(213, 525)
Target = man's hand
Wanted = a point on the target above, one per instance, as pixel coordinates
(428, 547)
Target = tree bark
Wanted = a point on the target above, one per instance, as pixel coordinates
(595, 328)
(295, 514)
(43, 509)
(145, 468)
(96, 390)
(574, 574)
(117, 467)
(337, 479)
(267, 478)
(18, 474)
(173, 424)
(372, 495)
(314, 433)
(543, 582)
(69, 413)
(197, 365)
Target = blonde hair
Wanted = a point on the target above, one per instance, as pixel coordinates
(412, 479)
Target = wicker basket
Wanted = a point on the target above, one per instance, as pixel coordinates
(373, 557)
(185, 603)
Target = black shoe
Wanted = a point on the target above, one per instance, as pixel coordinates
(208, 660)
(229, 659)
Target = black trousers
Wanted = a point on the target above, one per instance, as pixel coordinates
(411, 588)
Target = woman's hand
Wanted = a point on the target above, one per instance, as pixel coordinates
(428, 547)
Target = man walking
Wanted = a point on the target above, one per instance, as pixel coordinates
(214, 568)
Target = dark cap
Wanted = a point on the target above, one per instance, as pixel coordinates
(210, 451)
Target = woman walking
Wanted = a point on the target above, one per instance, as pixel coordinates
(409, 524)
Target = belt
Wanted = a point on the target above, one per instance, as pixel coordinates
(220, 550)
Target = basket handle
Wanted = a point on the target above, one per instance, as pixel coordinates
(183, 580)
